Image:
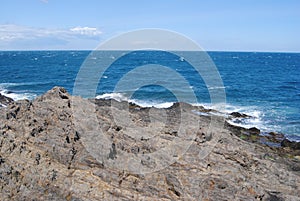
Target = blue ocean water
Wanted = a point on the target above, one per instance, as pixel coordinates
(263, 85)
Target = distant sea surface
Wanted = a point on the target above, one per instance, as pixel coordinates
(265, 86)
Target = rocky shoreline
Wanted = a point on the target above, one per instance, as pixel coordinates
(43, 154)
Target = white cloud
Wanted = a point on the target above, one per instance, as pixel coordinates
(89, 31)
(15, 36)
(12, 32)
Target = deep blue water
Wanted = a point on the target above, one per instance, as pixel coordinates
(263, 85)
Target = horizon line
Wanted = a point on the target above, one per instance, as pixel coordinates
(246, 51)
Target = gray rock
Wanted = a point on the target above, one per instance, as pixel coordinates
(44, 155)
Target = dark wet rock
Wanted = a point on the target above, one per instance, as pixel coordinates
(254, 130)
(276, 134)
(290, 144)
(44, 156)
(239, 115)
(272, 196)
(272, 139)
(238, 130)
(4, 100)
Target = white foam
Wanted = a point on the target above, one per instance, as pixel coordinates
(255, 113)
(122, 97)
(4, 86)
(15, 95)
(153, 104)
(216, 87)
(116, 96)
(19, 96)
(256, 118)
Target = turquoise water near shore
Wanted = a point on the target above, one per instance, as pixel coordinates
(263, 85)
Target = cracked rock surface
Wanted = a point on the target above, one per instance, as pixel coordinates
(44, 155)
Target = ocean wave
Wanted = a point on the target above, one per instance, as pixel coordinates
(255, 119)
(249, 123)
(153, 104)
(216, 87)
(116, 96)
(14, 84)
(18, 96)
(143, 103)
(255, 116)
(15, 95)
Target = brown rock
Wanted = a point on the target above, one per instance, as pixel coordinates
(44, 155)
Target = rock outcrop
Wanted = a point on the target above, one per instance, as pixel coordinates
(4, 100)
(46, 154)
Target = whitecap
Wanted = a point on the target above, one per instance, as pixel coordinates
(216, 87)
(122, 97)
(116, 96)
(255, 119)
(15, 95)
(152, 104)
(19, 96)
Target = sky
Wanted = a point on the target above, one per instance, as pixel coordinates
(218, 25)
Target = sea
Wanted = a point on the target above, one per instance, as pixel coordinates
(263, 85)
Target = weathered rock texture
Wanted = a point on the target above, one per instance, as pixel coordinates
(42, 157)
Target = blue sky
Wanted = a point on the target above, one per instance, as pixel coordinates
(228, 25)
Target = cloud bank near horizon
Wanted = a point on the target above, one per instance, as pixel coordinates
(12, 37)
(19, 37)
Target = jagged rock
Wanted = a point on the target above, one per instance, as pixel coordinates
(239, 115)
(254, 130)
(44, 154)
(4, 100)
